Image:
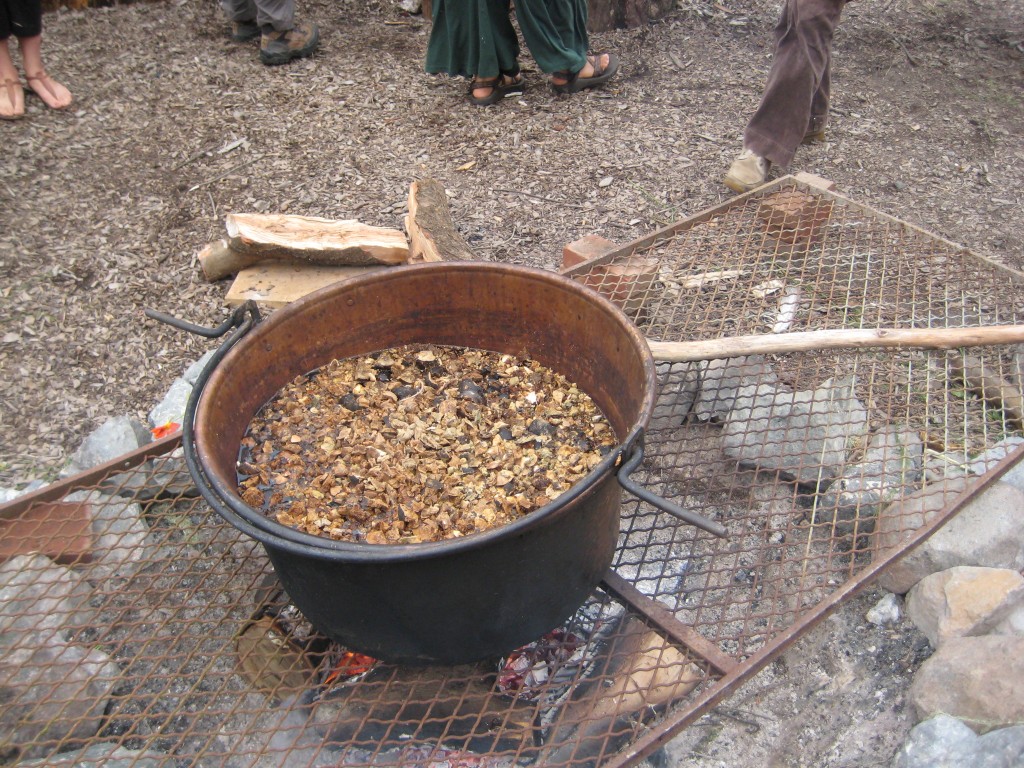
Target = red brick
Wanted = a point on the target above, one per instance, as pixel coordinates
(625, 283)
(586, 248)
(794, 216)
(62, 531)
(813, 180)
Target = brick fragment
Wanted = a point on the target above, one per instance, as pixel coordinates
(586, 248)
(794, 216)
(62, 531)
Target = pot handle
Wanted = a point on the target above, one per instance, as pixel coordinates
(634, 454)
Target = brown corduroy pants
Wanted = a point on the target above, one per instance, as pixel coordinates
(795, 100)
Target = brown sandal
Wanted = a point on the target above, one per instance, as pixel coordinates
(574, 83)
(504, 85)
(15, 97)
(47, 84)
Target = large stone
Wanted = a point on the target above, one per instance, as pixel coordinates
(103, 755)
(939, 742)
(892, 462)
(945, 742)
(964, 601)
(721, 381)
(678, 384)
(985, 532)
(801, 435)
(172, 407)
(54, 694)
(987, 460)
(979, 680)
(37, 594)
(114, 438)
(120, 532)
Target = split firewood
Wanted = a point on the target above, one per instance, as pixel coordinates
(432, 233)
(257, 238)
(645, 674)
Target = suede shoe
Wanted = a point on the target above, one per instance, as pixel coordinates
(244, 31)
(746, 172)
(280, 47)
(814, 136)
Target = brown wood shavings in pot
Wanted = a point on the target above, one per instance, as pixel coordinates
(419, 443)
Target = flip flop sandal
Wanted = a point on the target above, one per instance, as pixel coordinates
(500, 89)
(12, 87)
(42, 77)
(574, 83)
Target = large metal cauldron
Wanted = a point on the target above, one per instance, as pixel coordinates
(458, 600)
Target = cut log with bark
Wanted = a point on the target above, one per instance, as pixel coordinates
(432, 233)
(258, 238)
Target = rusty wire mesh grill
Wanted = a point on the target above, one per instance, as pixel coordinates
(136, 626)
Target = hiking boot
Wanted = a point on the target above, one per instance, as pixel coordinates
(280, 47)
(746, 172)
(244, 31)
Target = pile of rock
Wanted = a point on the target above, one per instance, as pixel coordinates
(964, 590)
(963, 586)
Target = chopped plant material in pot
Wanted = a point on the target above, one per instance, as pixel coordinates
(419, 443)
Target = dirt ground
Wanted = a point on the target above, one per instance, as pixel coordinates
(104, 206)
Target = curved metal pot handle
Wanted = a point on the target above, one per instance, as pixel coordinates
(242, 320)
(635, 451)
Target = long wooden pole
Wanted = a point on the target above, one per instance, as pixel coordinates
(813, 341)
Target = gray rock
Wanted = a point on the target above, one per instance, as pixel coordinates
(112, 439)
(105, 755)
(985, 532)
(677, 390)
(37, 594)
(945, 742)
(172, 407)
(939, 742)
(33, 721)
(1003, 748)
(120, 532)
(192, 372)
(801, 435)
(985, 461)
(892, 462)
(945, 466)
(979, 680)
(888, 610)
(10, 494)
(721, 381)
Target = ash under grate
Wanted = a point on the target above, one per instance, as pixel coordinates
(129, 649)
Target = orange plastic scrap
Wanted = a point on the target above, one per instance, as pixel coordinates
(168, 428)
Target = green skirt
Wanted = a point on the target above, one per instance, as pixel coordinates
(476, 38)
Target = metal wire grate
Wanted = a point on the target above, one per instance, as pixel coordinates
(154, 634)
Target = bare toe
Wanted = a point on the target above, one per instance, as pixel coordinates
(12, 100)
(55, 95)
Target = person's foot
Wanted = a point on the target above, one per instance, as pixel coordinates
(12, 100)
(53, 94)
(244, 31)
(280, 47)
(484, 91)
(747, 171)
(596, 71)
